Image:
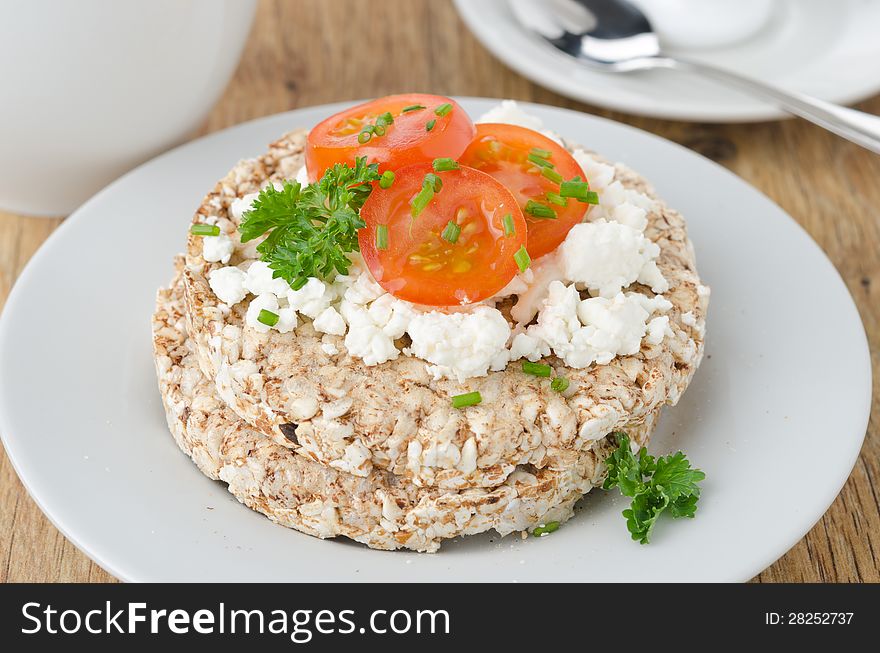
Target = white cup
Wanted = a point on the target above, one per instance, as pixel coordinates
(705, 24)
(90, 88)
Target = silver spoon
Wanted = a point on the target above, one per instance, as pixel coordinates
(615, 36)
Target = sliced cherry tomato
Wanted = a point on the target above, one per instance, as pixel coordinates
(503, 151)
(423, 259)
(424, 127)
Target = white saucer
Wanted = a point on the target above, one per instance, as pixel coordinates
(827, 49)
(775, 416)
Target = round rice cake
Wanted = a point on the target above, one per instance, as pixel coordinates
(395, 416)
(380, 509)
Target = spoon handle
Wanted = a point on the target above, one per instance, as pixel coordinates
(857, 126)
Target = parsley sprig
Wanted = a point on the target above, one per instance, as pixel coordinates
(312, 228)
(655, 485)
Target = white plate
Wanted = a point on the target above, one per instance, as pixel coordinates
(822, 48)
(775, 416)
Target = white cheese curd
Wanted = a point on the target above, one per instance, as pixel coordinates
(302, 176)
(608, 256)
(658, 328)
(508, 112)
(287, 320)
(528, 346)
(266, 301)
(312, 299)
(364, 289)
(544, 270)
(329, 348)
(597, 173)
(217, 248)
(259, 281)
(559, 327)
(619, 324)
(365, 338)
(228, 284)
(241, 204)
(330, 321)
(594, 330)
(460, 345)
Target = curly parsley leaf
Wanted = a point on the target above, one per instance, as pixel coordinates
(655, 485)
(310, 230)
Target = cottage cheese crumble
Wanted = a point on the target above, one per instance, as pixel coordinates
(584, 314)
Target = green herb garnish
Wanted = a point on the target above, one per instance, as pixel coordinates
(522, 258)
(559, 384)
(201, 229)
(268, 318)
(536, 369)
(386, 179)
(420, 201)
(443, 109)
(580, 190)
(556, 198)
(413, 107)
(544, 154)
(310, 230)
(381, 236)
(451, 232)
(552, 175)
(655, 485)
(509, 226)
(545, 529)
(433, 181)
(445, 164)
(538, 210)
(467, 399)
(540, 161)
(430, 124)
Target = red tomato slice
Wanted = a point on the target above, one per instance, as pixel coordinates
(415, 136)
(503, 152)
(417, 263)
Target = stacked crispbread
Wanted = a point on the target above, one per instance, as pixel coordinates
(324, 444)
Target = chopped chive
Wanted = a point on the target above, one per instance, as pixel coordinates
(386, 179)
(385, 119)
(522, 258)
(556, 198)
(420, 201)
(544, 154)
(413, 107)
(379, 130)
(509, 226)
(443, 109)
(591, 198)
(451, 232)
(538, 210)
(434, 181)
(538, 161)
(552, 175)
(445, 164)
(559, 384)
(536, 369)
(580, 190)
(365, 136)
(204, 230)
(545, 529)
(430, 125)
(381, 236)
(268, 318)
(467, 399)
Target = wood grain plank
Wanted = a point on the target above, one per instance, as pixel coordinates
(309, 52)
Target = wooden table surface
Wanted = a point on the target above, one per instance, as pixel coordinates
(305, 52)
